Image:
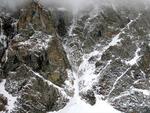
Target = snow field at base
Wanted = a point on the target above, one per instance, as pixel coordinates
(80, 106)
(77, 105)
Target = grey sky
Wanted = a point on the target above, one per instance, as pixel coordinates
(75, 4)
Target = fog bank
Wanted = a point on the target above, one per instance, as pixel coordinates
(76, 5)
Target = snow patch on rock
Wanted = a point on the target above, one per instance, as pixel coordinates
(134, 60)
(11, 100)
(37, 42)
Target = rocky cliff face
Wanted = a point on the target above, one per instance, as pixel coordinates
(111, 48)
(34, 66)
(48, 58)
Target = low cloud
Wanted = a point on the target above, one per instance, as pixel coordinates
(12, 4)
(76, 5)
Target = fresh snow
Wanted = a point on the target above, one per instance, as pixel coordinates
(77, 105)
(35, 43)
(134, 60)
(123, 94)
(86, 72)
(144, 91)
(11, 100)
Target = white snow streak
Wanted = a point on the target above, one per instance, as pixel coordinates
(134, 60)
(70, 32)
(115, 83)
(145, 92)
(51, 84)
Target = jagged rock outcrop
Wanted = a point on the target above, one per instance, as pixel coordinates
(36, 94)
(35, 64)
(35, 17)
(111, 48)
(43, 53)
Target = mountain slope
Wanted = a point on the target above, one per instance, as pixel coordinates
(34, 65)
(110, 47)
(95, 61)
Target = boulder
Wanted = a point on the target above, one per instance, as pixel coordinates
(3, 103)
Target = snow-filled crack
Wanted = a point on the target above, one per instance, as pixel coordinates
(116, 81)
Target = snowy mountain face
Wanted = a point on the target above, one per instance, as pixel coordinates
(95, 61)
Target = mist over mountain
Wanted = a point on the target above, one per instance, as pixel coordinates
(77, 5)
